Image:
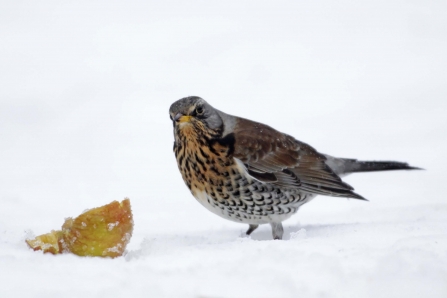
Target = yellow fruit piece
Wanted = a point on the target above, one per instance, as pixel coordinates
(47, 242)
(104, 232)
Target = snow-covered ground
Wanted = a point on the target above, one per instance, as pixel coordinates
(85, 88)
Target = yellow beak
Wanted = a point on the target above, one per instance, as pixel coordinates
(184, 119)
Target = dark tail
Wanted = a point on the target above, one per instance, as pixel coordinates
(344, 166)
(353, 166)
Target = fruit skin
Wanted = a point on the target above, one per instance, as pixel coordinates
(104, 232)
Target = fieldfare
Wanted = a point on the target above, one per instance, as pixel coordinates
(248, 172)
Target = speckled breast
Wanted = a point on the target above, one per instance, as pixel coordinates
(221, 184)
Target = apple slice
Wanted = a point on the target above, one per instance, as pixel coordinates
(47, 242)
(100, 232)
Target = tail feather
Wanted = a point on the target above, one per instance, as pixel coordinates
(343, 166)
(353, 166)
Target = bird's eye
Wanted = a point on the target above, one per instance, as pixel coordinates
(199, 110)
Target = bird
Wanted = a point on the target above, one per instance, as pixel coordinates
(249, 172)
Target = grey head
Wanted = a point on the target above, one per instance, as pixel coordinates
(197, 112)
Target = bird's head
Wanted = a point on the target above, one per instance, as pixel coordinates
(193, 114)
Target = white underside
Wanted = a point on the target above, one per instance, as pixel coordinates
(202, 197)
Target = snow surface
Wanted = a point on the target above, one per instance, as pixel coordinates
(85, 88)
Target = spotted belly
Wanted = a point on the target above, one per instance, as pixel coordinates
(254, 203)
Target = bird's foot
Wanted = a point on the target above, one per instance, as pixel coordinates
(277, 230)
(251, 228)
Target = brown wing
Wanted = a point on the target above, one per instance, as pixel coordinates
(274, 157)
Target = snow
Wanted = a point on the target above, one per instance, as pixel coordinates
(84, 98)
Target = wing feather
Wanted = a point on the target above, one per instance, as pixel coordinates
(278, 158)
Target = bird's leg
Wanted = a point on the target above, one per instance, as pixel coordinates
(277, 230)
(251, 228)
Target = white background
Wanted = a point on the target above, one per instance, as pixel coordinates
(85, 89)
